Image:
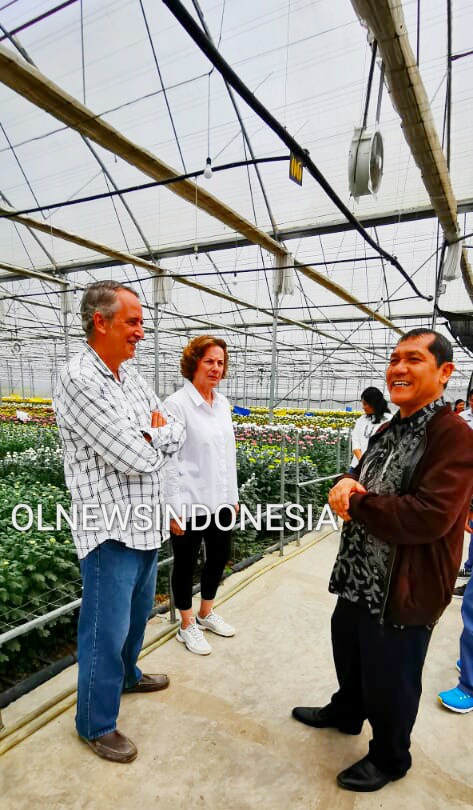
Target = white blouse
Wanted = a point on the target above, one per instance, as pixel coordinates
(363, 429)
(204, 470)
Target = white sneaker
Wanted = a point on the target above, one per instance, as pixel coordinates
(215, 623)
(194, 640)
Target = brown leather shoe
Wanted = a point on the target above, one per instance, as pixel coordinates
(113, 746)
(149, 683)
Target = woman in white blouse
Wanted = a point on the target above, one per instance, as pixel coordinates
(376, 412)
(202, 472)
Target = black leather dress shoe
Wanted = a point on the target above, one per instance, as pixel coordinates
(364, 777)
(321, 717)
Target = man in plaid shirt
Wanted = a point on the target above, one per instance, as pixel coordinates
(117, 436)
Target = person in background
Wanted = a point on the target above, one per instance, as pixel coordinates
(467, 568)
(117, 436)
(460, 698)
(203, 472)
(459, 406)
(376, 412)
(467, 414)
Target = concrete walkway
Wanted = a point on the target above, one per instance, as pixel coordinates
(221, 737)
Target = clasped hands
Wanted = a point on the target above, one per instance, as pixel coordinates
(339, 496)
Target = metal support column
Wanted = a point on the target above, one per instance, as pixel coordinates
(309, 377)
(10, 378)
(156, 346)
(22, 379)
(66, 336)
(298, 491)
(272, 382)
(66, 310)
(244, 373)
(282, 498)
(163, 377)
(55, 364)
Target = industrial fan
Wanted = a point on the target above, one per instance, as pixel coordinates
(365, 162)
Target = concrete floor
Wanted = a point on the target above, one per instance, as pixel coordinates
(221, 737)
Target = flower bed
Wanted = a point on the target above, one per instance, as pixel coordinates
(15, 398)
(39, 570)
(259, 453)
(15, 438)
(297, 417)
(34, 409)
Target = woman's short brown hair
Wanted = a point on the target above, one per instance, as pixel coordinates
(195, 350)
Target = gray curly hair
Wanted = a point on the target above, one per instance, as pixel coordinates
(101, 296)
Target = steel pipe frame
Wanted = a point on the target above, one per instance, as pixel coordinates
(128, 258)
(29, 82)
(286, 234)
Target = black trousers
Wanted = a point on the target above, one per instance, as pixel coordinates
(379, 670)
(186, 549)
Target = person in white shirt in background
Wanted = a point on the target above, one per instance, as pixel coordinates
(467, 567)
(376, 412)
(202, 472)
(467, 414)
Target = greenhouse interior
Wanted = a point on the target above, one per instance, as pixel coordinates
(292, 176)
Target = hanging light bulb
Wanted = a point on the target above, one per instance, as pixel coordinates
(208, 169)
(235, 280)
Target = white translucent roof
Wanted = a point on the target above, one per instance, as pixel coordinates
(308, 63)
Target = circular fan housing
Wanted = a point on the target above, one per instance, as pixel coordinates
(365, 163)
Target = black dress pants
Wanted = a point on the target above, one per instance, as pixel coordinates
(379, 670)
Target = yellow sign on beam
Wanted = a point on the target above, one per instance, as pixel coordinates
(295, 169)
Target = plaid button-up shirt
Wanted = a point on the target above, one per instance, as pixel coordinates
(110, 468)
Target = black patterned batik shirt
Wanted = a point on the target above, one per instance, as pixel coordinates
(361, 570)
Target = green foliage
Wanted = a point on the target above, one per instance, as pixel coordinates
(39, 569)
(249, 542)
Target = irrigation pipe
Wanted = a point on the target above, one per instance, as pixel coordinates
(41, 716)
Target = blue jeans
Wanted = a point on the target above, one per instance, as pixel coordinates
(466, 641)
(469, 562)
(119, 585)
